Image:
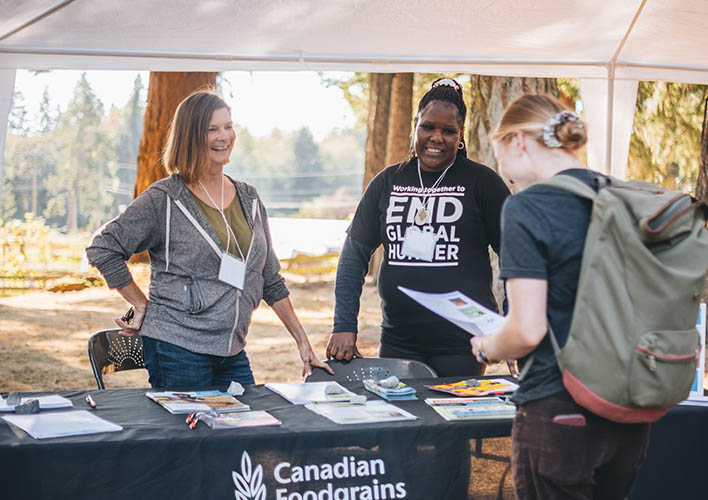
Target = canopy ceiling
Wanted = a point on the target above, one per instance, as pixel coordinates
(608, 44)
(577, 38)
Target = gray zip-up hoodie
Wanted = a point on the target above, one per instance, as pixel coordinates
(188, 306)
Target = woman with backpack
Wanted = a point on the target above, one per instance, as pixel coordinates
(559, 448)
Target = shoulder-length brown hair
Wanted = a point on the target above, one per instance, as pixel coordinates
(187, 152)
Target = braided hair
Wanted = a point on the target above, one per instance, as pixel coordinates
(444, 90)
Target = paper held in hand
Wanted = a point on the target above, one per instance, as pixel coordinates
(459, 309)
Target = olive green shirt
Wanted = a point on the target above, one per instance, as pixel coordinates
(237, 221)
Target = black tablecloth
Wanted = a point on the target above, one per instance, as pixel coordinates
(675, 463)
(156, 455)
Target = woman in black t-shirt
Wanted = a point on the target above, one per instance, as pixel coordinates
(436, 214)
(559, 449)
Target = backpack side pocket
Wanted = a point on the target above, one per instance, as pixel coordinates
(663, 365)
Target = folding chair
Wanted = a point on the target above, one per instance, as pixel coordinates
(109, 352)
(359, 369)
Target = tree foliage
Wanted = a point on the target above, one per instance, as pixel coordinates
(666, 141)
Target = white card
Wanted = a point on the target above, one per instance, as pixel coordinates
(232, 271)
(419, 244)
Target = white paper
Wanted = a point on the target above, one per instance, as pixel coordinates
(45, 402)
(419, 244)
(232, 271)
(695, 401)
(309, 392)
(371, 412)
(459, 309)
(59, 424)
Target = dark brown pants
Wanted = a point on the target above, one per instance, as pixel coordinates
(595, 461)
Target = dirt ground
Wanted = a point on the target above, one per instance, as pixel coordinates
(43, 346)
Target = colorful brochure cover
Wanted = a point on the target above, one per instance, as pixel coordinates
(485, 387)
(186, 402)
(238, 420)
(371, 412)
(472, 408)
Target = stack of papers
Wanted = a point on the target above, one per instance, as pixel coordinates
(187, 402)
(400, 393)
(472, 408)
(45, 402)
(311, 392)
(238, 420)
(484, 387)
(371, 412)
(59, 424)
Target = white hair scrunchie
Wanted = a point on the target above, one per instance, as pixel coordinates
(550, 138)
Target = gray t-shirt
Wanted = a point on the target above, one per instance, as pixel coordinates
(543, 235)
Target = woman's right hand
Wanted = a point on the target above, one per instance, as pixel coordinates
(342, 346)
(132, 326)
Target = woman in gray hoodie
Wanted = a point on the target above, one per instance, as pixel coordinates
(211, 258)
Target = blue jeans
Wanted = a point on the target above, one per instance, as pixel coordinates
(172, 366)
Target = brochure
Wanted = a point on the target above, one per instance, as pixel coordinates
(238, 420)
(474, 387)
(187, 402)
(371, 412)
(459, 309)
(697, 388)
(402, 392)
(300, 393)
(472, 408)
(45, 402)
(60, 424)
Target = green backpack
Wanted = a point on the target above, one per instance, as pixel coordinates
(633, 346)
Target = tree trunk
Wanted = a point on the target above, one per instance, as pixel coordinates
(377, 125)
(165, 91)
(377, 129)
(702, 182)
(400, 118)
(488, 97)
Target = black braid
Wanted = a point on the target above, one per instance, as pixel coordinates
(442, 93)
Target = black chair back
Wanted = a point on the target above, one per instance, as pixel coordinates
(359, 369)
(109, 352)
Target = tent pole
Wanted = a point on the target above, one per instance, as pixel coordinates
(7, 86)
(610, 113)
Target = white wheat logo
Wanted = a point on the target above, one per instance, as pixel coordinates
(249, 483)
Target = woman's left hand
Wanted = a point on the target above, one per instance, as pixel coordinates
(310, 359)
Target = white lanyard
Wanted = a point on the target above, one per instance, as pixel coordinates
(421, 216)
(229, 231)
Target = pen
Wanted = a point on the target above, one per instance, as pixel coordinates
(90, 401)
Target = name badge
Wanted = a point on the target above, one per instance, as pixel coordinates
(419, 244)
(232, 271)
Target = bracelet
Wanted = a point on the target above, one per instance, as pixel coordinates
(482, 354)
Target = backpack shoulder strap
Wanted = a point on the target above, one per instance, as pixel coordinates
(556, 351)
(571, 184)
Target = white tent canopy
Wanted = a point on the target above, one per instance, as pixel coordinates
(608, 44)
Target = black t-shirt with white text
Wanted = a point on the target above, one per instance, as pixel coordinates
(464, 212)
